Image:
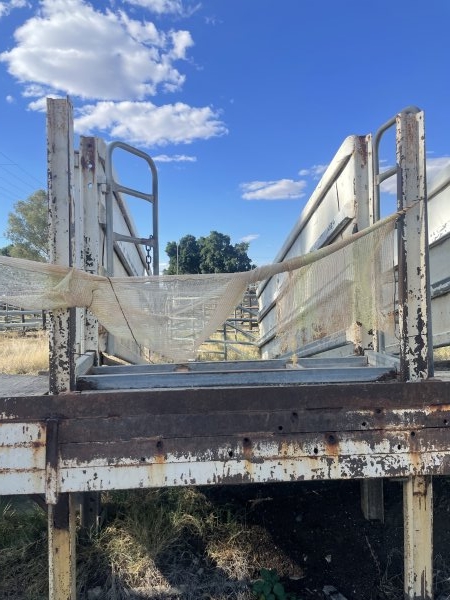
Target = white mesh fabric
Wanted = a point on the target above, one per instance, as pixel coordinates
(335, 286)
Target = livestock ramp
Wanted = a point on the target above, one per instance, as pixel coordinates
(367, 416)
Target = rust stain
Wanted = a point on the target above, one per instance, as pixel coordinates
(332, 444)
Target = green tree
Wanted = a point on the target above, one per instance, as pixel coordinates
(6, 250)
(211, 254)
(28, 228)
(184, 256)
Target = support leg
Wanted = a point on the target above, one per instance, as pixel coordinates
(418, 537)
(61, 549)
(372, 499)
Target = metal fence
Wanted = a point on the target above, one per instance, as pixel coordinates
(18, 319)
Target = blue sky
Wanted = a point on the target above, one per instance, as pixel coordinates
(242, 103)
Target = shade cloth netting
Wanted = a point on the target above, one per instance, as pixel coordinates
(350, 281)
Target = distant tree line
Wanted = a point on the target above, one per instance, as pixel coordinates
(211, 254)
(28, 228)
(28, 233)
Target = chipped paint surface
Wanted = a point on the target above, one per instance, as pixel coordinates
(95, 443)
(22, 458)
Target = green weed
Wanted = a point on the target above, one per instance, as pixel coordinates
(269, 587)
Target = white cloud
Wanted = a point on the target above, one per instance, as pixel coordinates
(109, 64)
(175, 7)
(434, 168)
(10, 99)
(283, 189)
(71, 48)
(249, 238)
(7, 7)
(316, 171)
(159, 6)
(144, 123)
(174, 158)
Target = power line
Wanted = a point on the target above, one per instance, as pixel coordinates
(12, 163)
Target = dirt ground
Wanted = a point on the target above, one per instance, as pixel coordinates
(314, 535)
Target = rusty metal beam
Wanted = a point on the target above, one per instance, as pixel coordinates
(376, 399)
(224, 435)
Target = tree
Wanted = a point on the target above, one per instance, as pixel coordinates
(6, 250)
(184, 256)
(28, 228)
(211, 254)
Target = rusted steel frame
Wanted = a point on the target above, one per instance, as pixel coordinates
(65, 223)
(416, 347)
(397, 445)
(51, 462)
(117, 475)
(109, 429)
(416, 358)
(90, 180)
(61, 237)
(433, 396)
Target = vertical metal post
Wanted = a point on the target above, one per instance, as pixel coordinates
(415, 336)
(89, 192)
(61, 211)
(62, 242)
(61, 545)
(416, 353)
(418, 543)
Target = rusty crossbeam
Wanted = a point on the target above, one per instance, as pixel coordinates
(153, 438)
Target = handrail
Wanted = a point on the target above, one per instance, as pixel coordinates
(379, 178)
(115, 187)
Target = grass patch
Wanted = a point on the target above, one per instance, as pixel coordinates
(214, 349)
(23, 354)
(171, 543)
(23, 551)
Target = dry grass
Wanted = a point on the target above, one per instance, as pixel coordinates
(442, 354)
(23, 552)
(23, 354)
(165, 544)
(214, 350)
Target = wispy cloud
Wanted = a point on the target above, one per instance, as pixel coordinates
(283, 189)
(7, 7)
(434, 169)
(316, 171)
(174, 158)
(143, 123)
(110, 64)
(177, 7)
(249, 238)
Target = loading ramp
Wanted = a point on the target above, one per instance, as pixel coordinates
(322, 417)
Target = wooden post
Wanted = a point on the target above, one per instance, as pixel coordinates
(62, 243)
